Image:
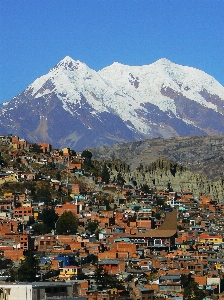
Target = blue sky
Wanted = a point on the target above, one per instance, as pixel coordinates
(37, 34)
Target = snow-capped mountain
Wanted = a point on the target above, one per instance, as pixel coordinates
(76, 106)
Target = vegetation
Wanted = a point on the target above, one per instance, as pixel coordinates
(105, 280)
(192, 292)
(105, 174)
(29, 268)
(120, 179)
(87, 154)
(43, 194)
(92, 226)
(145, 188)
(67, 223)
(48, 218)
(36, 148)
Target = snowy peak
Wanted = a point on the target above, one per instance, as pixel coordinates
(163, 61)
(118, 103)
(70, 64)
(64, 78)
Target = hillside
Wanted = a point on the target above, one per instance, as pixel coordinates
(201, 155)
(194, 164)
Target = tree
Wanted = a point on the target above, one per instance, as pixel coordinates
(159, 202)
(67, 223)
(72, 152)
(87, 162)
(28, 268)
(43, 195)
(105, 280)
(92, 226)
(157, 216)
(87, 154)
(12, 275)
(169, 187)
(132, 219)
(105, 174)
(145, 188)
(58, 176)
(39, 228)
(192, 292)
(36, 148)
(154, 275)
(120, 179)
(18, 160)
(49, 218)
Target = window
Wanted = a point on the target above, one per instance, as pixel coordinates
(157, 242)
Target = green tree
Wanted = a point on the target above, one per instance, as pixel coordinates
(43, 195)
(157, 215)
(160, 202)
(105, 174)
(97, 232)
(120, 179)
(58, 176)
(105, 280)
(67, 223)
(18, 160)
(39, 228)
(154, 275)
(192, 292)
(29, 268)
(72, 152)
(132, 219)
(36, 148)
(51, 166)
(12, 275)
(92, 226)
(145, 188)
(87, 154)
(49, 218)
(87, 162)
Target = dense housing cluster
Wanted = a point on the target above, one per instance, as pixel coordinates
(68, 231)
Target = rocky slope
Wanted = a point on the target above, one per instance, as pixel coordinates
(187, 163)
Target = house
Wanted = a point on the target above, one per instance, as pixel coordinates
(46, 243)
(45, 147)
(73, 207)
(26, 242)
(162, 237)
(103, 295)
(214, 239)
(70, 272)
(169, 283)
(24, 213)
(43, 290)
(112, 266)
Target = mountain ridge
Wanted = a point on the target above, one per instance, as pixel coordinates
(201, 155)
(73, 105)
